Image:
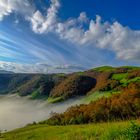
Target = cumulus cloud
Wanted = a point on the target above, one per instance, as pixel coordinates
(83, 17)
(113, 36)
(46, 23)
(21, 6)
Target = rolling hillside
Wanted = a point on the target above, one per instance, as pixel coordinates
(106, 80)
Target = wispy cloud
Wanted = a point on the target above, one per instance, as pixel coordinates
(32, 55)
(17, 47)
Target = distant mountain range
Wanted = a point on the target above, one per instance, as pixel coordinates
(6, 72)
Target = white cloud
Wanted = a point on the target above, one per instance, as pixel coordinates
(83, 17)
(38, 67)
(69, 67)
(9, 6)
(113, 36)
(46, 23)
(123, 41)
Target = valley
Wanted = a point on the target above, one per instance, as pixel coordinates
(105, 97)
(16, 111)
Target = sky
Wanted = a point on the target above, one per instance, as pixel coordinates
(48, 36)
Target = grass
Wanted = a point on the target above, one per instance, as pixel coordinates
(136, 79)
(80, 73)
(61, 74)
(104, 68)
(125, 82)
(130, 67)
(55, 100)
(99, 131)
(97, 95)
(88, 98)
(119, 76)
(122, 77)
(110, 68)
(36, 95)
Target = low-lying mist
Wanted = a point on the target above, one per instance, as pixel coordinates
(17, 111)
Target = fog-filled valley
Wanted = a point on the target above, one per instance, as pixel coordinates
(18, 111)
(28, 98)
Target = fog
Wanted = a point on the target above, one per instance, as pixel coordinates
(17, 111)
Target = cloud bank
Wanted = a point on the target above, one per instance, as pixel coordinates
(39, 68)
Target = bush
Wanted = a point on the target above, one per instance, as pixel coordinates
(133, 131)
(123, 106)
(74, 85)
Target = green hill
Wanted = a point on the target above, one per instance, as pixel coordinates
(99, 131)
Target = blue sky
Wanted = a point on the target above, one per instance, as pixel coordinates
(124, 11)
(66, 36)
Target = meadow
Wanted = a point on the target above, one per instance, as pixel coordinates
(99, 131)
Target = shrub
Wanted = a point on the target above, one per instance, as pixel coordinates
(133, 131)
(74, 85)
(118, 107)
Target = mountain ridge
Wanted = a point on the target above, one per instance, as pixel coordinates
(6, 72)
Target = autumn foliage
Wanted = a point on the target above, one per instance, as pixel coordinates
(117, 107)
(74, 85)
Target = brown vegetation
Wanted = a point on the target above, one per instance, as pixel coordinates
(135, 73)
(117, 107)
(74, 85)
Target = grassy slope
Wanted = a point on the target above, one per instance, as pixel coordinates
(100, 131)
(97, 95)
(104, 68)
(122, 77)
(88, 98)
(110, 68)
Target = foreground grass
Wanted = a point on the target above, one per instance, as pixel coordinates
(99, 131)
